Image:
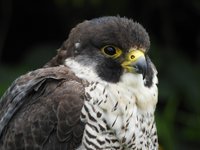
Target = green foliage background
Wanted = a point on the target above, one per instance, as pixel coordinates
(178, 112)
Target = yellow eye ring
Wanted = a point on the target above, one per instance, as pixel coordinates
(111, 51)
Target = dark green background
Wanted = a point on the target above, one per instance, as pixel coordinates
(32, 30)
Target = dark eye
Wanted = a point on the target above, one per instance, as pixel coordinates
(110, 50)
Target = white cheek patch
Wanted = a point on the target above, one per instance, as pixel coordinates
(81, 71)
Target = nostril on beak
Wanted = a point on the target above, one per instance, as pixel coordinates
(132, 57)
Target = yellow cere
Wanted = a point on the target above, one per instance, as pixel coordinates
(131, 58)
(133, 55)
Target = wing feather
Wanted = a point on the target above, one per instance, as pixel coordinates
(42, 110)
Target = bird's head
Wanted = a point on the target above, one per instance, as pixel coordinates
(112, 46)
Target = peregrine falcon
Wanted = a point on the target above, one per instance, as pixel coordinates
(99, 92)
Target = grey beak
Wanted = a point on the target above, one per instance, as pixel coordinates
(141, 66)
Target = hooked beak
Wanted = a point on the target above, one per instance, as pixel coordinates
(135, 62)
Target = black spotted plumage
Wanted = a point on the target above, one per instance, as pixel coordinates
(83, 98)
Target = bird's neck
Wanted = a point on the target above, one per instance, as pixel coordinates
(131, 86)
(122, 108)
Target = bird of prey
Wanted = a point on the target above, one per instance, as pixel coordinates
(99, 92)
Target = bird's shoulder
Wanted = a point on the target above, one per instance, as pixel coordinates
(42, 101)
(34, 82)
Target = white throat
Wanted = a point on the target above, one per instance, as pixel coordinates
(144, 97)
(118, 103)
